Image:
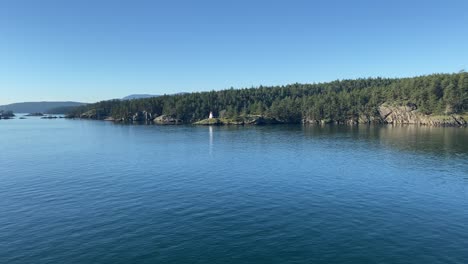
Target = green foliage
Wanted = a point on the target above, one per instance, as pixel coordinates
(338, 100)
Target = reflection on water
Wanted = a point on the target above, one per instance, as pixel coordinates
(433, 140)
(80, 191)
(210, 128)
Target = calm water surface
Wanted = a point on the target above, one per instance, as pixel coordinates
(95, 192)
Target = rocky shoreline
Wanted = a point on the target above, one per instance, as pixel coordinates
(386, 114)
(248, 120)
(401, 115)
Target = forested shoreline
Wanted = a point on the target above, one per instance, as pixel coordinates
(341, 101)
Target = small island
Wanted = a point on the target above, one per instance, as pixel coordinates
(49, 117)
(6, 114)
(35, 114)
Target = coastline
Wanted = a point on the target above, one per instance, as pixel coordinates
(457, 121)
(386, 114)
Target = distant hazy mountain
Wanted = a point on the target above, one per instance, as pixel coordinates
(139, 96)
(37, 107)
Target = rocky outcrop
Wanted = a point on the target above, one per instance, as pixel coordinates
(248, 120)
(142, 117)
(167, 120)
(211, 122)
(400, 114)
(260, 120)
(355, 120)
(384, 114)
(396, 114)
(138, 117)
(91, 114)
(409, 114)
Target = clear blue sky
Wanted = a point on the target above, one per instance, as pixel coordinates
(93, 50)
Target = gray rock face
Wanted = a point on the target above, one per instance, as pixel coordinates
(361, 119)
(397, 114)
(91, 114)
(148, 116)
(261, 120)
(167, 120)
(410, 115)
(142, 117)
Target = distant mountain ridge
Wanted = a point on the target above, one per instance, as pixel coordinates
(139, 96)
(38, 107)
(143, 96)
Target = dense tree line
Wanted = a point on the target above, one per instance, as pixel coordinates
(338, 100)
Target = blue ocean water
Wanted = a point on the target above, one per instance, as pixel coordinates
(77, 191)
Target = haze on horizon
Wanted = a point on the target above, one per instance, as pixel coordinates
(89, 51)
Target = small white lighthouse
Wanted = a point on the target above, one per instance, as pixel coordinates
(211, 115)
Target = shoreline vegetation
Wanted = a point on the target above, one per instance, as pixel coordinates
(434, 100)
(6, 114)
